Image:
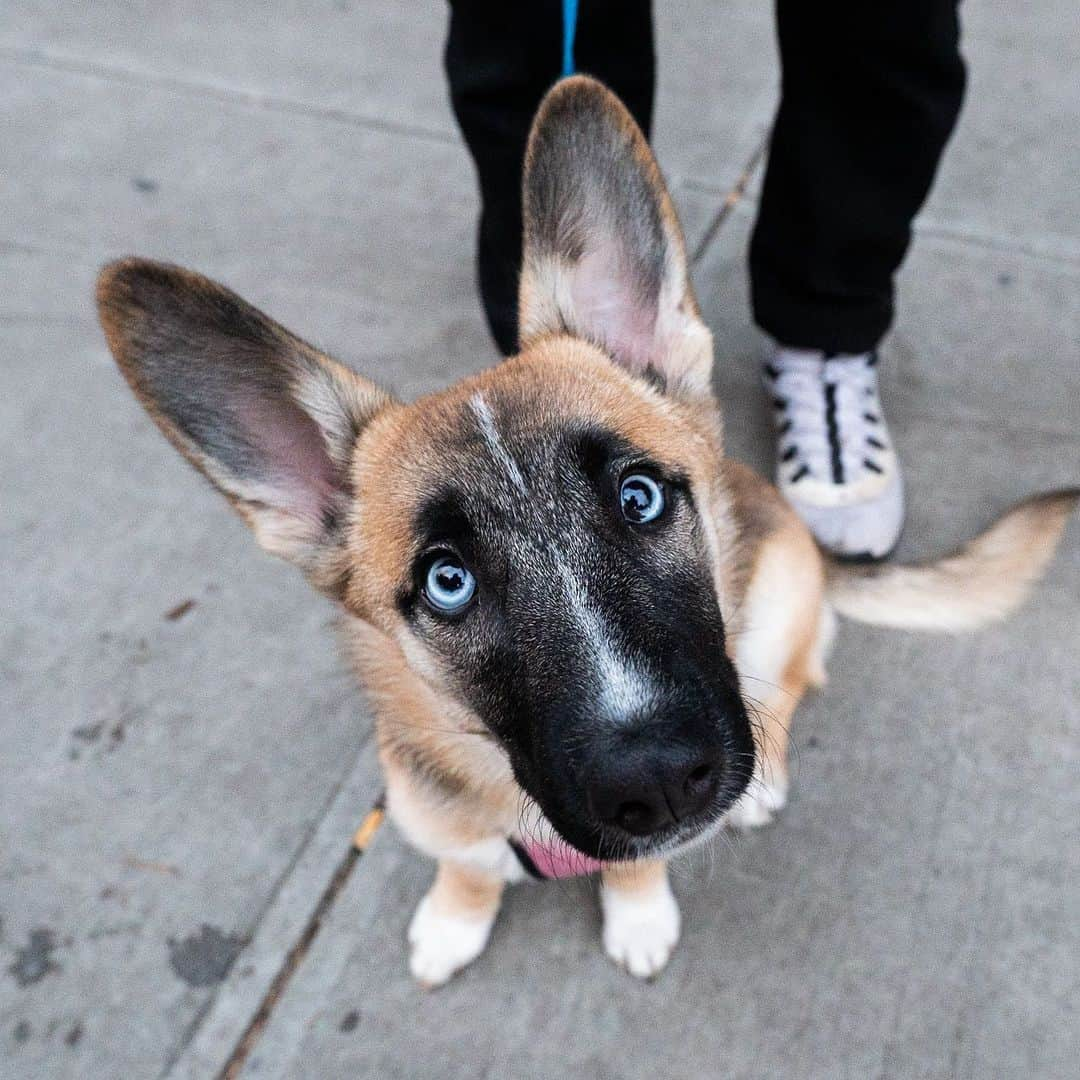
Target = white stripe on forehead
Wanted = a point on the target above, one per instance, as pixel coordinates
(625, 689)
(493, 441)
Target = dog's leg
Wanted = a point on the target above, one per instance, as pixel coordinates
(453, 922)
(778, 654)
(641, 916)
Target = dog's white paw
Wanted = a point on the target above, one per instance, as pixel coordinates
(761, 801)
(640, 931)
(443, 944)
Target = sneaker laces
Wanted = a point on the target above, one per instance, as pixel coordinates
(828, 416)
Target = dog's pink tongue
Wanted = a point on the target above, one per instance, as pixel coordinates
(560, 860)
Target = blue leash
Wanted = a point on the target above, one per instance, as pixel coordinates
(569, 28)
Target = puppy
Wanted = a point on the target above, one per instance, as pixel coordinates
(554, 585)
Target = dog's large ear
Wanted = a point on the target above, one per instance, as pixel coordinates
(604, 256)
(266, 418)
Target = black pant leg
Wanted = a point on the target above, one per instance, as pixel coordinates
(870, 94)
(501, 56)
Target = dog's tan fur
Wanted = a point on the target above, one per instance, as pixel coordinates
(450, 786)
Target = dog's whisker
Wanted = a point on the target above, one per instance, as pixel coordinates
(435, 730)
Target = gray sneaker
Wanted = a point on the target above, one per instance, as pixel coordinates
(835, 461)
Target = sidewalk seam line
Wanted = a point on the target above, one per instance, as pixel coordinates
(1004, 245)
(301, 849)
(296, 954)
(48, 60)
(731, 200)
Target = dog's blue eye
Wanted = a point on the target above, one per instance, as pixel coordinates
(449, 586)
(642, 498)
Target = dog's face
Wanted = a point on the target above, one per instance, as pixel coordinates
(543, 541)
(551, 558)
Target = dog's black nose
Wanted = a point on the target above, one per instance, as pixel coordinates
(642, 792)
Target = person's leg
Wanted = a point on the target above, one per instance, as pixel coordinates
(870, 96)
(500, 59)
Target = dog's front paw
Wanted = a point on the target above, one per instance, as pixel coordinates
(759, 804)
(640, 930)
(443, 944)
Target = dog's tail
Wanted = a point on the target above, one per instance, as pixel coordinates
(985, 580)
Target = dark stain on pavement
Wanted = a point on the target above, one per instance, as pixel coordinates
(204, 958)
(89, 734)
(181, 609)
(35, 960)
(22, 1031)
(349, 1021)
(75, 1033)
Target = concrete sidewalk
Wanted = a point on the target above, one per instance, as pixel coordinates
(185, 758)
